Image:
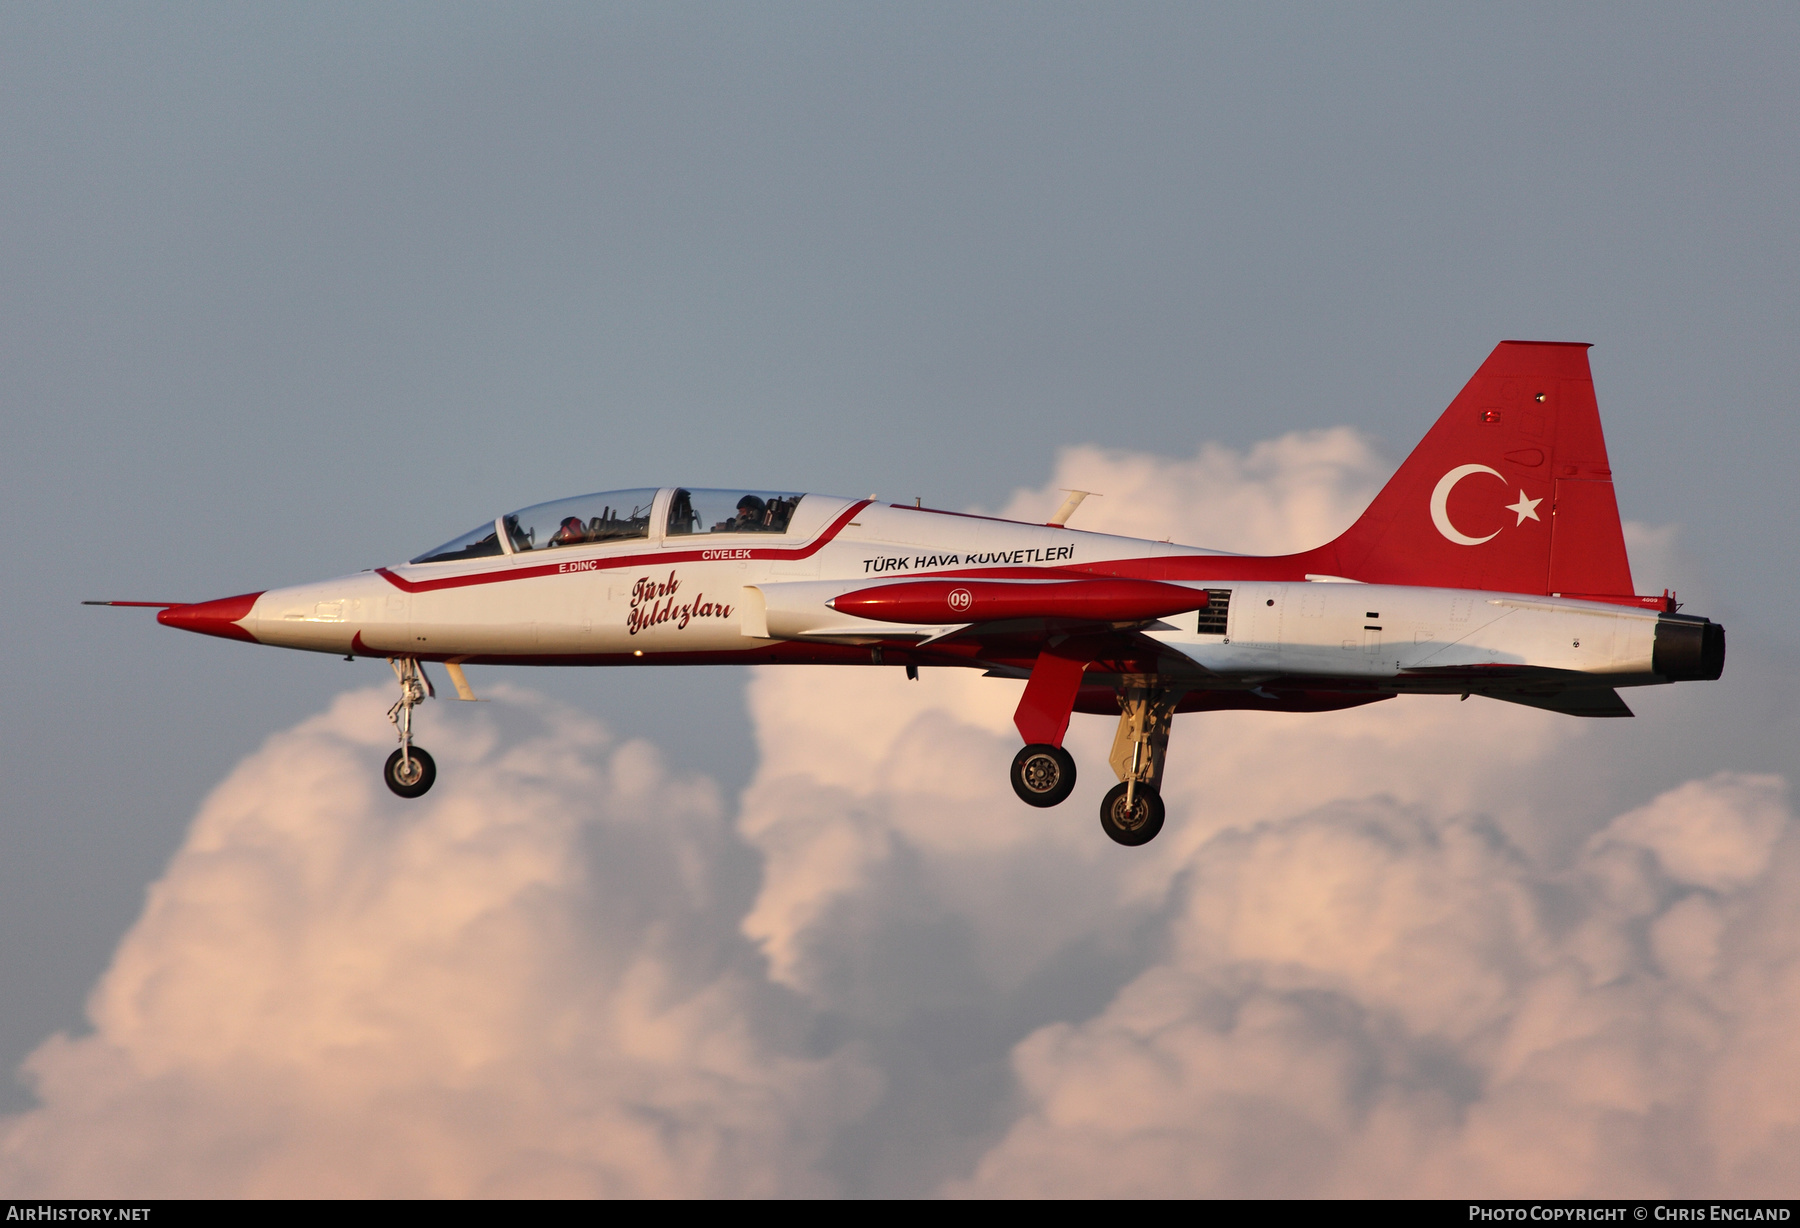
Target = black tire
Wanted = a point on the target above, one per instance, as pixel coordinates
(1043, 775)
(422, 763)
(1137, 826)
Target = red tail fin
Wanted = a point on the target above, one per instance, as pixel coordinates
(1510, 491)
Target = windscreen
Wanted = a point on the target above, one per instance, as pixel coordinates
(478, 543)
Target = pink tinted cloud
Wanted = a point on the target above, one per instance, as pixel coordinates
(1347, 966)
(526, 983)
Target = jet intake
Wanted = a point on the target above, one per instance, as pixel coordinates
(1688, 649)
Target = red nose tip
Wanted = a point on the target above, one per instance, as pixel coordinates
(219, 617)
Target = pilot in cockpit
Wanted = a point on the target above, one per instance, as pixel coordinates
(571, 533)
(749, 519)
(751, 512)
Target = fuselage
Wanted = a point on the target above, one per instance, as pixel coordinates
(1491, 563)
(729, 596)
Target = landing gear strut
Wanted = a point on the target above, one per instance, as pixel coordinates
(1132, 812)
(409, 771)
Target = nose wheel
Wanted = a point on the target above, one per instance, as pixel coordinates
(409, 771)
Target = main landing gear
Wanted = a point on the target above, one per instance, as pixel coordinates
(1043, 774)
(409, 771)
(1132, 812)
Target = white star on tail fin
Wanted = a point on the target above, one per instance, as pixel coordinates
(1526, 508)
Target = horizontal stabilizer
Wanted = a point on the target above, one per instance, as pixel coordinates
(1569, 703)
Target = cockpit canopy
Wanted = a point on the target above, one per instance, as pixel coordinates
(729, 511)
(619, 515)
(610, 516)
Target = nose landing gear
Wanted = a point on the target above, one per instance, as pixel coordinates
(409, 771)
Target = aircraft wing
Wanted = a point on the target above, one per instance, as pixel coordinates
(1534, 686)
(1570, 702)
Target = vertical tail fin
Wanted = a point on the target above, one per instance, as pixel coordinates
(1510, 491)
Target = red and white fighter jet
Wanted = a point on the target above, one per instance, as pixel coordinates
(1491, 564)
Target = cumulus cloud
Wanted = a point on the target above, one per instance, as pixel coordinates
(528, 982)
(1281, 495)
(1344, 967)
(1351, 963)
(1372, 1000)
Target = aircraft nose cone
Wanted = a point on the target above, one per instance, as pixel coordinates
(220, 617)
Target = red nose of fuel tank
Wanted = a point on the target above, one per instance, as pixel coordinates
(218, 618)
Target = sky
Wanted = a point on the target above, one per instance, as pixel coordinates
(287, 292)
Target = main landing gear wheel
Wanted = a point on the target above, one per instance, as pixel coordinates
(1042, 774)
(1136, 823)
(410, 773)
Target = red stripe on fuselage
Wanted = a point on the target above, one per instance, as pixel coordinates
(622, 563)
(1169, 567)
(944, 653)
(1180, 568)
(1177, 567)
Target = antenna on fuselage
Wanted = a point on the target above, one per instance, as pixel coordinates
(1068, 507)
